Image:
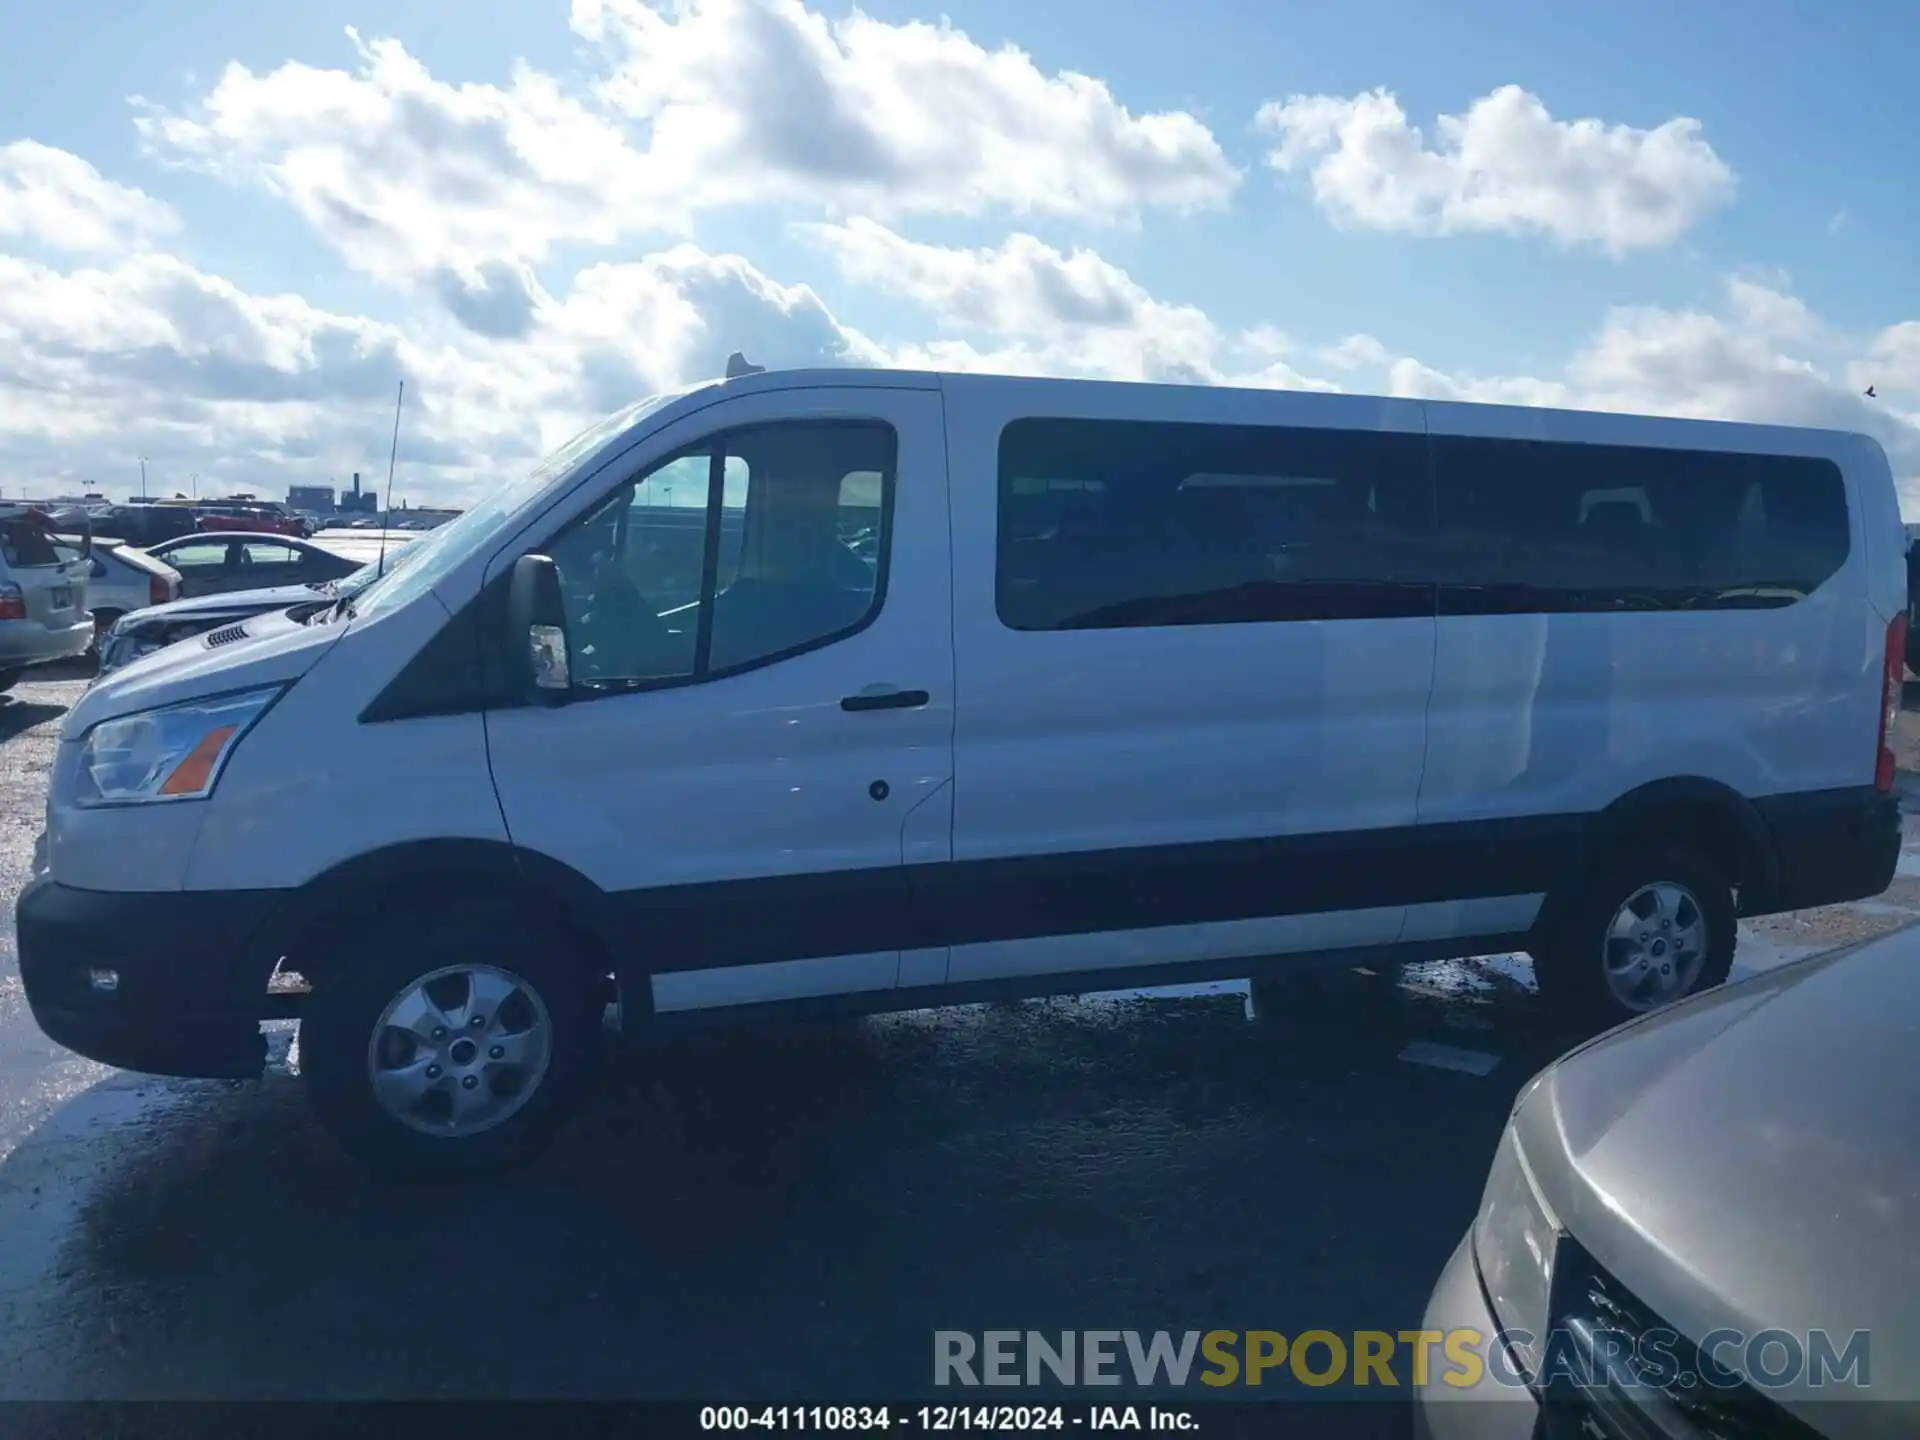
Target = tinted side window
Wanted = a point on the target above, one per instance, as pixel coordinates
(1121, 523)
(1530, 526)
(26, 546)
(729, 556)
(264, 552)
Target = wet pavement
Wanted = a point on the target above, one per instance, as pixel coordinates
(757, 1215)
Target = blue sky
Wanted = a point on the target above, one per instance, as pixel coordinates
(535, 210)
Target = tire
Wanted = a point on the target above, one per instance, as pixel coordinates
(1571, 964)
(543, 983)
(9, 679)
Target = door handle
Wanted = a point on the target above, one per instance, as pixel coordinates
(885, 698)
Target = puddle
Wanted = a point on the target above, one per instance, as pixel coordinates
(1450, 1057)
(1478, 975)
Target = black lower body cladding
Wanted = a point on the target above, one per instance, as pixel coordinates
(190, 968)
(1832, 846)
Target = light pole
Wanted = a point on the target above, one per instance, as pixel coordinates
(194, 480)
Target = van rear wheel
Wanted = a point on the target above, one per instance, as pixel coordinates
(449, 1044)
(1650, 926)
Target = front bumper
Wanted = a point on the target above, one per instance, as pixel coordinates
(1488, 1409)
(189, 995)
(28, 642)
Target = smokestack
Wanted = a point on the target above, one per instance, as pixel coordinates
(356, 484)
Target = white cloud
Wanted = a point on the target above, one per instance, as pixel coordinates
(709, 103)
(151, 357)
(1355, 352)
(630, 329)
(1505, 166)
(767, 99)
(1037, 310)
(1763, 358)
(1892, 363)
(148, 356)
(1019, 286)
(99, 366)
(408, 176)
(53, 198)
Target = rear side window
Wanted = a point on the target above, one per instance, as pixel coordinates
(1106, 524)
(25, 545)
(1531, 526)
(264, 552)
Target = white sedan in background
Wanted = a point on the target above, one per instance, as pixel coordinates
(122, 579)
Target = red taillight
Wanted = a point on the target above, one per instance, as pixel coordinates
(1891, 679)
(13, 604)
(159, 592)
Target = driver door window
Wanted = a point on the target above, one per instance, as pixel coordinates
(765, 543)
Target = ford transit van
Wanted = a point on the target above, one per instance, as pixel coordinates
(882, 690)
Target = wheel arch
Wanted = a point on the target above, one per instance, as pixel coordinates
(449, 871)
(1708, 817)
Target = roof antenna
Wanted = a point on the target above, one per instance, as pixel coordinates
(737, 366)
(392, 455)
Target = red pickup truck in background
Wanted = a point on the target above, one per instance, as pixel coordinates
(262, 517)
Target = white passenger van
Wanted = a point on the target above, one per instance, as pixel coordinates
(884, 690)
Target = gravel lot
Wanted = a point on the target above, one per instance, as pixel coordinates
(767, 1215)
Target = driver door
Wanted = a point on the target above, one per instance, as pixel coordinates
(761, 718)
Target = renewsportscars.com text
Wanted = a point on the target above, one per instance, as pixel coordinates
(1768, 1359)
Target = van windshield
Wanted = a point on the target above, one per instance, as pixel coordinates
(441, 549)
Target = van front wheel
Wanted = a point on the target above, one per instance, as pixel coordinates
(450, 1044)
(1649, 927)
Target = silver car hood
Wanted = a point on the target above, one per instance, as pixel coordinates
(234, 604)
(1748, 1159)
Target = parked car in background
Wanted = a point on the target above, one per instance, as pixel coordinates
(43, 594)
(261, 517)
(211, 564)
(144, 524)
(142, 632)
(1702, 1224)
(121, 578)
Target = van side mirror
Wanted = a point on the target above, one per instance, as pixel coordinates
(537, 625)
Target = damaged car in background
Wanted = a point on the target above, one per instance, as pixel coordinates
(144, 631)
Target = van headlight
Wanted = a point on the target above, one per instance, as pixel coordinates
(1514, 1237)
(173, 753)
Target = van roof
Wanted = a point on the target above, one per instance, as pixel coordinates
(1470, 417)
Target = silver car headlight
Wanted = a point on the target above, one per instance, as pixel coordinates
(1514, 1236)
(173, 753)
